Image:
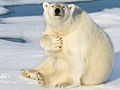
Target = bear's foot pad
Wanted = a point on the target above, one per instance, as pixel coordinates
(40, 79)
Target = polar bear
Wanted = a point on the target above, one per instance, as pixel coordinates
(78, 51)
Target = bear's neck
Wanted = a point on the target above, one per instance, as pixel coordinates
(60, 30)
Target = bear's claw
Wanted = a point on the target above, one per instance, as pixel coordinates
(57, 43)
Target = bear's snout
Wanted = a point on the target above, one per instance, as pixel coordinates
(57, 12)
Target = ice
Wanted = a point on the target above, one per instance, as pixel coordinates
(15, 56)
(21, 2)
(3, 10)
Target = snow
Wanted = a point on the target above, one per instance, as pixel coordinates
(3, 10)
(21, 2)
(15, 56)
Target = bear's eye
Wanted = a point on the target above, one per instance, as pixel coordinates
(52, 6)
(63, 7)
(71, 7)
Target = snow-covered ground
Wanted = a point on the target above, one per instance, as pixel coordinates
(15, 56)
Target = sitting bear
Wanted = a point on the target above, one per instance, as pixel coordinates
(78, 51)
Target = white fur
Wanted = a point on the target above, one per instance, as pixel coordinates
(86, 56)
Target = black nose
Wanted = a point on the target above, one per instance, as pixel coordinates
(57, 10)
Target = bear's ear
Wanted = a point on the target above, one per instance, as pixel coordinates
(71, 7)
(45, 5)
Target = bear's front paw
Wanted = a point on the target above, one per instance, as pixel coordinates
(62, 85)
(57, 43)
(40, 80)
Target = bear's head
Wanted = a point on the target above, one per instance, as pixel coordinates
(62, 18)
(58, 13)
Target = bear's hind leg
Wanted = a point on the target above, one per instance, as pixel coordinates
(53, 79)
(44, 68)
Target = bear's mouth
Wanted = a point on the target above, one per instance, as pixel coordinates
(58, 15)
